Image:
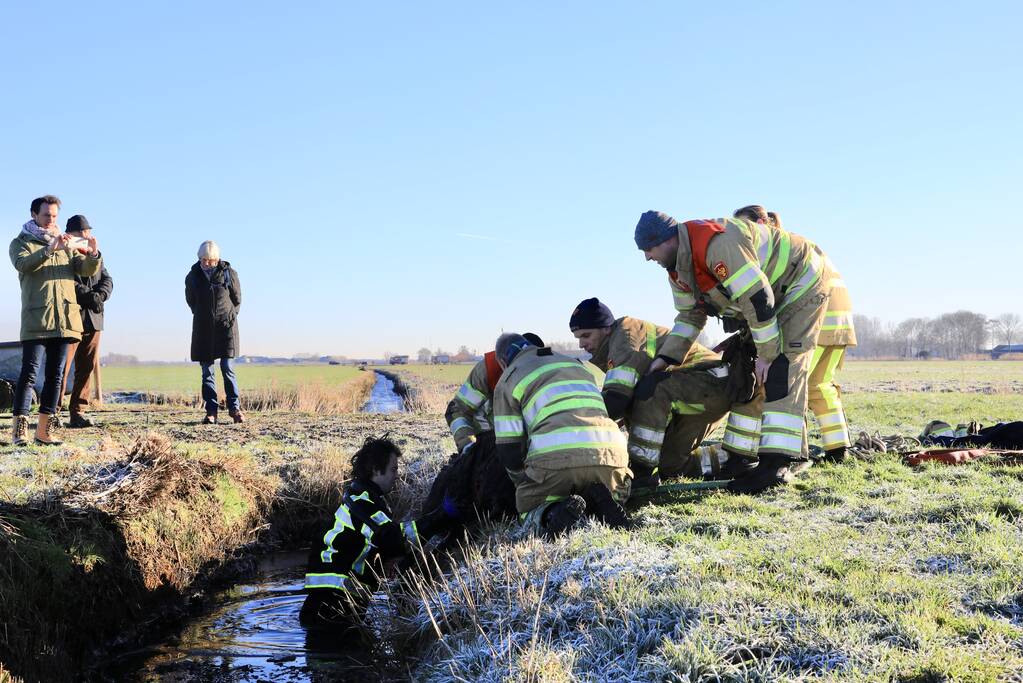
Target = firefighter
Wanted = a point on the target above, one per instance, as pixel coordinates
(470, 412)
(668, 414)
(774, 282)
(562, 451)
(836, 335)
(346, 563)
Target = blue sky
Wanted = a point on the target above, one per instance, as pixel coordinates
(392, 176)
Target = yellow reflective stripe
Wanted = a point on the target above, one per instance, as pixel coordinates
(342, 521)
(327, 580)
(782, 442)
(744, 279)
(380, 517)
(837, 320)
(784, 246)
(683, 408)
(575, 437)
(684, 330)
(568, 404)
(649, 435)
(651, 340)
(362, 496)
(744, 422)
(524, 383)
(460, 423)
(410, 530)
(508, 426)
(468, 395)
(554, 391)
(647, 456)
(740, 443)
(623, 375)
(765, 333)
(778, 420)
(684, 301)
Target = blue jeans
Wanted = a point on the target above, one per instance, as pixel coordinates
(209, 386)
(53, 374)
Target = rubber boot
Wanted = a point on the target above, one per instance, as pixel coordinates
(44, 432)
(772, 470)
(602, 505)
(19, 433)
(562, 516)
(644, 476)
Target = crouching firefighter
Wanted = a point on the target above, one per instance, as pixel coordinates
(773, 281)
(562, 451)
(470, 412)
(346, 564)
(669, 413)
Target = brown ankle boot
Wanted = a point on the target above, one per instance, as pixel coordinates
(19, 436)
(44, 431)
(237, 417)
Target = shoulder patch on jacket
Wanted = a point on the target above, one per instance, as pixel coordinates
(721, 271)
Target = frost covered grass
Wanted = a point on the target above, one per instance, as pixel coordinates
(862, 571)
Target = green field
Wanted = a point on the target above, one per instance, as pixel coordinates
(169, 379)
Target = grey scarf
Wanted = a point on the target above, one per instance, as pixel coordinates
(45, 236)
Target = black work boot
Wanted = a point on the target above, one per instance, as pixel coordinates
(562, 516)
(644, 476)
(602, 505)
(736, 467)
(835, 455)
(79, 421)
(772, 470)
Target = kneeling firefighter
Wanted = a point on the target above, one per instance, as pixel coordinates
(562, 451)
(668, 413)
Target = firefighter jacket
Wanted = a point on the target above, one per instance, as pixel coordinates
(470, 411)
(549, 412)
(362, 535)
(837, 329)
(734, 268)
(628, 351)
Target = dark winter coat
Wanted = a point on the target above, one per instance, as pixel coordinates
(214, 302)
(92, 291)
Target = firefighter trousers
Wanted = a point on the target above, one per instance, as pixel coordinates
(544, 486)
(684, 408)
(774, 421)
(825, 397)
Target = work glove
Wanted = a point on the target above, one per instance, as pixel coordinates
(645, 387)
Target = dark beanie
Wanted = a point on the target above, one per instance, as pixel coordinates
(78, 223)
(653, 228)
(590, 313)
(533, 339)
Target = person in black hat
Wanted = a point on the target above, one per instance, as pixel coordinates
(92, 292)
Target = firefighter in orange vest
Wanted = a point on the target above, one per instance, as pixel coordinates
(470, 412)
(668, 416)
(776, 283)
(837, 334)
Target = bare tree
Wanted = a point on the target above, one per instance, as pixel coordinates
(1007, 326)
(423, 355)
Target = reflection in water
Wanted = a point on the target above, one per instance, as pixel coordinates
(383, 399)
(253, 634)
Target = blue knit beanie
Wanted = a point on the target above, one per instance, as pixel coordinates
(653, 228)
(590, 313)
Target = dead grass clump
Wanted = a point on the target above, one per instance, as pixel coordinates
(422, 394)
(312, 397)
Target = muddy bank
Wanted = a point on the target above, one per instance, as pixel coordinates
(108, 541)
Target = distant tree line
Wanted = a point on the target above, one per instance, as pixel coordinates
(949, 336)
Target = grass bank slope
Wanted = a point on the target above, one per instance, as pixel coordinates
(865, 571)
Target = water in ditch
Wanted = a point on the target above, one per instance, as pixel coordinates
(252, 633)
(383, 398)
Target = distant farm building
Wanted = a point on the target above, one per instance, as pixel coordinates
(442, 359)
(398, 360)
(1003, 349)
